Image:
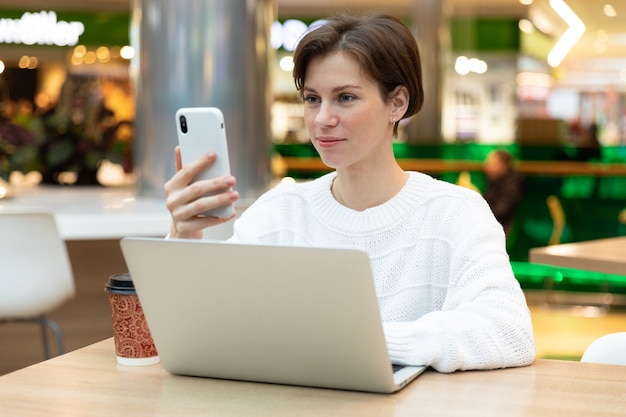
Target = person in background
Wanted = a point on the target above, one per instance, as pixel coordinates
(446, 291)
(505, 187)
(590, 148)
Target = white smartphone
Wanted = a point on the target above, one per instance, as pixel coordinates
(201, 130)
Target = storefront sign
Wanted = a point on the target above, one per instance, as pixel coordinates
(40, 28)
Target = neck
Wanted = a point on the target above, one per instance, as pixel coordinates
(363, 191)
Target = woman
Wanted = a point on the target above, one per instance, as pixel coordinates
(505, 187)
(447, 295)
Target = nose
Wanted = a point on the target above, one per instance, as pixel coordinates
(326, 115)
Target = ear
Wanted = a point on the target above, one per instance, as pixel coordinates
(399, 103)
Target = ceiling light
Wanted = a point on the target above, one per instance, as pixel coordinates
(526, 2)
(465, 65)
(478, 66)
(127, 52)
(23, 62)
(286, 63)
(609, 10)
(526, 26)
(461, 66)
(571, 35)
(541, 22)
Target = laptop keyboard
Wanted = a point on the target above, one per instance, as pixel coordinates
(395, 367)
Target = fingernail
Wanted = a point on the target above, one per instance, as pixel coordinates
(230, 181)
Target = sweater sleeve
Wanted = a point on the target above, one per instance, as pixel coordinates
(484, 322)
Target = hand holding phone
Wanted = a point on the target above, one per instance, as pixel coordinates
(201, 130)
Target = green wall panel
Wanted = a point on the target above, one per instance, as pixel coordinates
(485, 35)
(101, 28)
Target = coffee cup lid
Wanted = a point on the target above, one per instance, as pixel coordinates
(120, 284)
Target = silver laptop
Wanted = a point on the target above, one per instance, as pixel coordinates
(274, 314)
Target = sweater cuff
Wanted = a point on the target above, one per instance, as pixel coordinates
(403, 348)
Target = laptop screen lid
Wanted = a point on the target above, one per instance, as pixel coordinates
(276, 314)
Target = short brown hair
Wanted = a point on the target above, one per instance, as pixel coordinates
(383, 46)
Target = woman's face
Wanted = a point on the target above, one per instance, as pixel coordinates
(494, 167)
(349, 123)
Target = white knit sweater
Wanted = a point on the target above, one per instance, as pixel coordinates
(446, 291)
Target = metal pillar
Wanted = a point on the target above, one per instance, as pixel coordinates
(202, 53)
(430, 21)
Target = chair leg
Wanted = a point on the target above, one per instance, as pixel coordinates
(44, 339)
(56, 331)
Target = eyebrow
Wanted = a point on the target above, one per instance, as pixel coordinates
(336, 89)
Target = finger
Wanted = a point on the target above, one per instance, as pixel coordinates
(188, 172)
(181, 197)
(203, 203)
(186, 222)
(192, 228)
(179, 163)
(187, 202)
(213, 186)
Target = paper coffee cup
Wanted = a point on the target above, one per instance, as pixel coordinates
(133, 342)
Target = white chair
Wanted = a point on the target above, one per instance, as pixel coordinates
(35, 272)
(610, 348)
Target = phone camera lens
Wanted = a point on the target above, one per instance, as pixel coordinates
(183, 124)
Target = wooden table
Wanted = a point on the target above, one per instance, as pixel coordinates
(602, 255)
(88, 382)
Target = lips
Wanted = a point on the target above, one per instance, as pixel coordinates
(328, 141)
